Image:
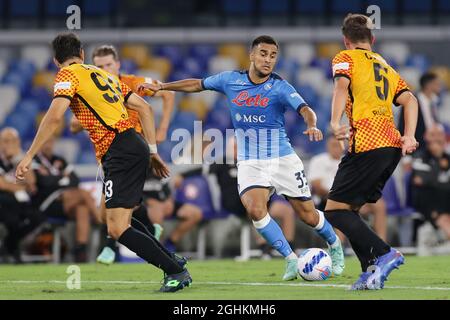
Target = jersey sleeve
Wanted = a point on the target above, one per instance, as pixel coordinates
(66, 84)
(126, 90)
(216, 82)
(290, 97)
(342, 66)
(402, 86)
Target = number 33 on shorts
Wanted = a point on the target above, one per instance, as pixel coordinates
(108, 189)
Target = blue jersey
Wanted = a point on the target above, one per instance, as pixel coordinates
(257, 112)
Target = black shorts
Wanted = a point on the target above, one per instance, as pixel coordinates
(125, 166)
(361, 176)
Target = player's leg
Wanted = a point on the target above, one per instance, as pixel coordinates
(255, 202)
(119, 228)
(360, 179)
(125, 166)
(283, 212)
(108, 253)
(289, 179)
(378, 211)
(307, 212)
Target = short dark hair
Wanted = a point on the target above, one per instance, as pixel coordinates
(105, 50)
(357, 28)
(66, 46)
(426, 78)
(264, 39)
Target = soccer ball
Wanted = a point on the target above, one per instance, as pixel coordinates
(314, 264)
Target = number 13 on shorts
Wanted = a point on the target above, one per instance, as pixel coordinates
(108, 190)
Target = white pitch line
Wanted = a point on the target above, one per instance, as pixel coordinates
(319, 285)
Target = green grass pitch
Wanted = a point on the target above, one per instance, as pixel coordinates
(419, 278)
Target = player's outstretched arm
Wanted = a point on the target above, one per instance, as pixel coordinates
(311, 121)
(186, 85)
(411, 110)
(145, 111)
(47, 128)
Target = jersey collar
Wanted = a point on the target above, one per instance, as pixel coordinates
(256, 84)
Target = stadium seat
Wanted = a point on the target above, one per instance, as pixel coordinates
(313, 77)
(174, 53)
(218, 64)
(3, 68)
(128, 66)
(237, 51)
(137, 52)
(202, 51)
(160, 65)
(150, 73)
(411, 75)
(219, 118)
(195, 190)
(194, 105)
(38, 55)
(328, 50)
(193, 67)
(303, 53)
(44, 79)
(324, 64)
(308, 93)
(68, 147)
(184, 119)
(393, 204)
(419, 61)
(209, 97)
(398, 51)
(10, 96)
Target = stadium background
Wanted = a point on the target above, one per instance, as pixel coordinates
(181, 39)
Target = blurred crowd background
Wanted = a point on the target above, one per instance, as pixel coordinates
(194, 39)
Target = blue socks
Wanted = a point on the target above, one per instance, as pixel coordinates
(325, 230)
(271, 231)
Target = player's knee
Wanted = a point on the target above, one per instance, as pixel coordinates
(115, 231)
(257, 211)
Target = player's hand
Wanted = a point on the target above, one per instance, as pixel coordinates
(409, 144)
(22, 168)
(341, 132)
(314, 134)
(159, 167)
(161, 135)
(155, 87)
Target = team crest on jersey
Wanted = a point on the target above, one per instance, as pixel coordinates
(268, 86)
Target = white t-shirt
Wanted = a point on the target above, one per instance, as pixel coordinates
(323, 167)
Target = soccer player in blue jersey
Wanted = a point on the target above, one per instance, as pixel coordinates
(267, 163)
